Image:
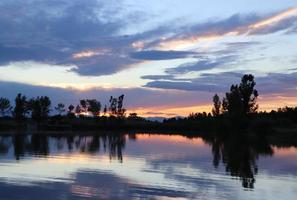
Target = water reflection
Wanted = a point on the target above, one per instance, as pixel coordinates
(39, 144)
(239, 154)
(147, 166)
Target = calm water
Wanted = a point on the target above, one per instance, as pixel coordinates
(143, 166)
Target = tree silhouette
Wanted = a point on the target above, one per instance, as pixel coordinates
(70, 113)
(113, 105)
(39, 107)
(5, 107)
(78, 110)
(94, 107)
(105, 110)
(234, 102)
(83, 105)
(216, 105)
(121, 111)
(116, 106)
(70, 108)
(60, 108)
(241, 100)
(20, 108)
(248, 94)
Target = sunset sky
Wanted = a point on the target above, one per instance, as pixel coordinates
(168, 57)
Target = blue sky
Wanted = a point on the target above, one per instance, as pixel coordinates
(155, 52)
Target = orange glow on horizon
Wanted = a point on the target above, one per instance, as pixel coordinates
(292, 151)
(163, 111)
(265, 104)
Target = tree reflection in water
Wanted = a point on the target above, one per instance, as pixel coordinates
(40, 145)
(239, 154)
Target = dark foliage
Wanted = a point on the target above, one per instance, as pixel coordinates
(20, 108)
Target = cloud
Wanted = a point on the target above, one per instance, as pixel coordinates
(271, 83)
(235, 25)
(102, 65)
(227, 56)
(236, 45)
(163, 55)
(274, 23)
(158, 77)
(200, 65)
(188, 86)
(205, 83)
(90, 34)
(164, 77)
(287, 24)
(64, 33)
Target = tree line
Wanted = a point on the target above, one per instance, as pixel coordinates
(237, 107)
(39, 108)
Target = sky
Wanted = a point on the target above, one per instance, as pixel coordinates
(168, 57)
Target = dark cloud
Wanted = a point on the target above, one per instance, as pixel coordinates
(102, 65)
(158, 77)
(188, 86)
(228, 56)
(272, 83)
(206, 83)
(164, 77)
(201, 65)
(52, 31)
(163, 55)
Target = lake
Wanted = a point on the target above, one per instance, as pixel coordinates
(144, 166)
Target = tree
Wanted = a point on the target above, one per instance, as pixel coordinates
(60, 108)
(248, 94)
(105, 110)
(20, 108)
(113, 105)
(39, 107)
(241, 100)
(78, 110)
(94, 107)
(121, 111)
(116, 106)
(5, 107)
(216, 105)
(70, 113)
(45, 106)
(234, 102)
(83, 105)
(70, 108)
(224, 105)
(135, 117)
